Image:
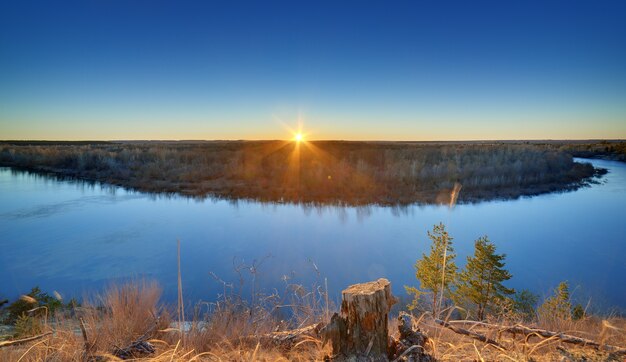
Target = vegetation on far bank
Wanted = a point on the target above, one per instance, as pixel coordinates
(615, 150)
(321, 171)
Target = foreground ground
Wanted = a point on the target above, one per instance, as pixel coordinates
(233, 330)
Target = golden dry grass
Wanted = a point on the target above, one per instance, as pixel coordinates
(227, 331)
(231, 330)
(445, 345)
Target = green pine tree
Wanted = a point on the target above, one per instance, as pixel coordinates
(480, 284)
(436, 271)
(38, 298)
(578, 312)
(525, 304)
(557, 306)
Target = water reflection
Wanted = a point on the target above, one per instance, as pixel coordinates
(73, 236)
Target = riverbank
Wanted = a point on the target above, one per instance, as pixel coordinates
(129, 322)
(326, 172)
(604, 150)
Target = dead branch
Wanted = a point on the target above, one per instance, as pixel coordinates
(469, 333)
(413, 348)
(83, 330)
(140, 347)
(136, 349)
(23, 340)
(565, 338)
(566, 354)
(291, 337)
(285, 339)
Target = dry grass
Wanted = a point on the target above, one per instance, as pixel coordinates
(227, 330)
(446, 345)
(232, 330)
(123, 314)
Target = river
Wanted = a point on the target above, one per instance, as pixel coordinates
(74, 238)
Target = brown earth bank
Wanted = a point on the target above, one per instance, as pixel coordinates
(334, 172)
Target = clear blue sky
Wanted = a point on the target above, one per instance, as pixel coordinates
(419, 70)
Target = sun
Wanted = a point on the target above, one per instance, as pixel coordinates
(298, 137)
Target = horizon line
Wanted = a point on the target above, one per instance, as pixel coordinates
(319, 140)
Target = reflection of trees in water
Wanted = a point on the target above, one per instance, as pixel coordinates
(363, 212)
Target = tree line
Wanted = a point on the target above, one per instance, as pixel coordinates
(323, 171)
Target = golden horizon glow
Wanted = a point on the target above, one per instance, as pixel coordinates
(324, 128)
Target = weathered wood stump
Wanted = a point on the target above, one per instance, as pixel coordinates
(361, 332)
(411, 343)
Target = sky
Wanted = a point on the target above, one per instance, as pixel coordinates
(353, 70)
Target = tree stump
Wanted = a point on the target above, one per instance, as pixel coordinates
(411, 342)
(361, 332)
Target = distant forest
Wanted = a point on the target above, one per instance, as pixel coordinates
(607, 150)
(337, 172)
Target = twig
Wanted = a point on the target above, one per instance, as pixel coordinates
(469, 333)
(23, 340)
(181, 305)
(566, 338)
(407, 351)
(286, 338)
(566, 353)
(369, 346)
(326, 297)
(84, 332)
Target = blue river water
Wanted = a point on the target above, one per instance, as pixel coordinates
(75, 238)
